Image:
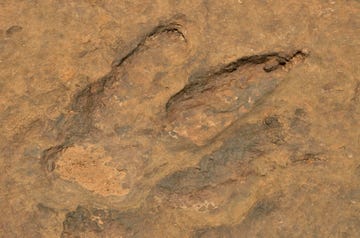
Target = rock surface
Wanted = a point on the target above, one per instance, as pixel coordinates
(180, 118)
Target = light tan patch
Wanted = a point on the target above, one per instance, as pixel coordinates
(88, 167)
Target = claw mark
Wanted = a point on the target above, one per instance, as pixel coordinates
(275, 60)
(171, 27)
(79, 124)
(86, 99)
(210, 103)
(49, 156)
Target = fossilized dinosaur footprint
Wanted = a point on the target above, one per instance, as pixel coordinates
(122, 115)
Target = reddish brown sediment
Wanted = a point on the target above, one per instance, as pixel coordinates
(179, 118)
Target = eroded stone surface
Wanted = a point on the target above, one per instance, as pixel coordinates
(179, 119)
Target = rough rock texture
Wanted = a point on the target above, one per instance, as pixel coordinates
(179, 118)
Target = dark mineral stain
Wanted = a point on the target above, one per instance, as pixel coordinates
(79, 220)
(88, 219)
(261, 209)
(13, 29)
(272, 122)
